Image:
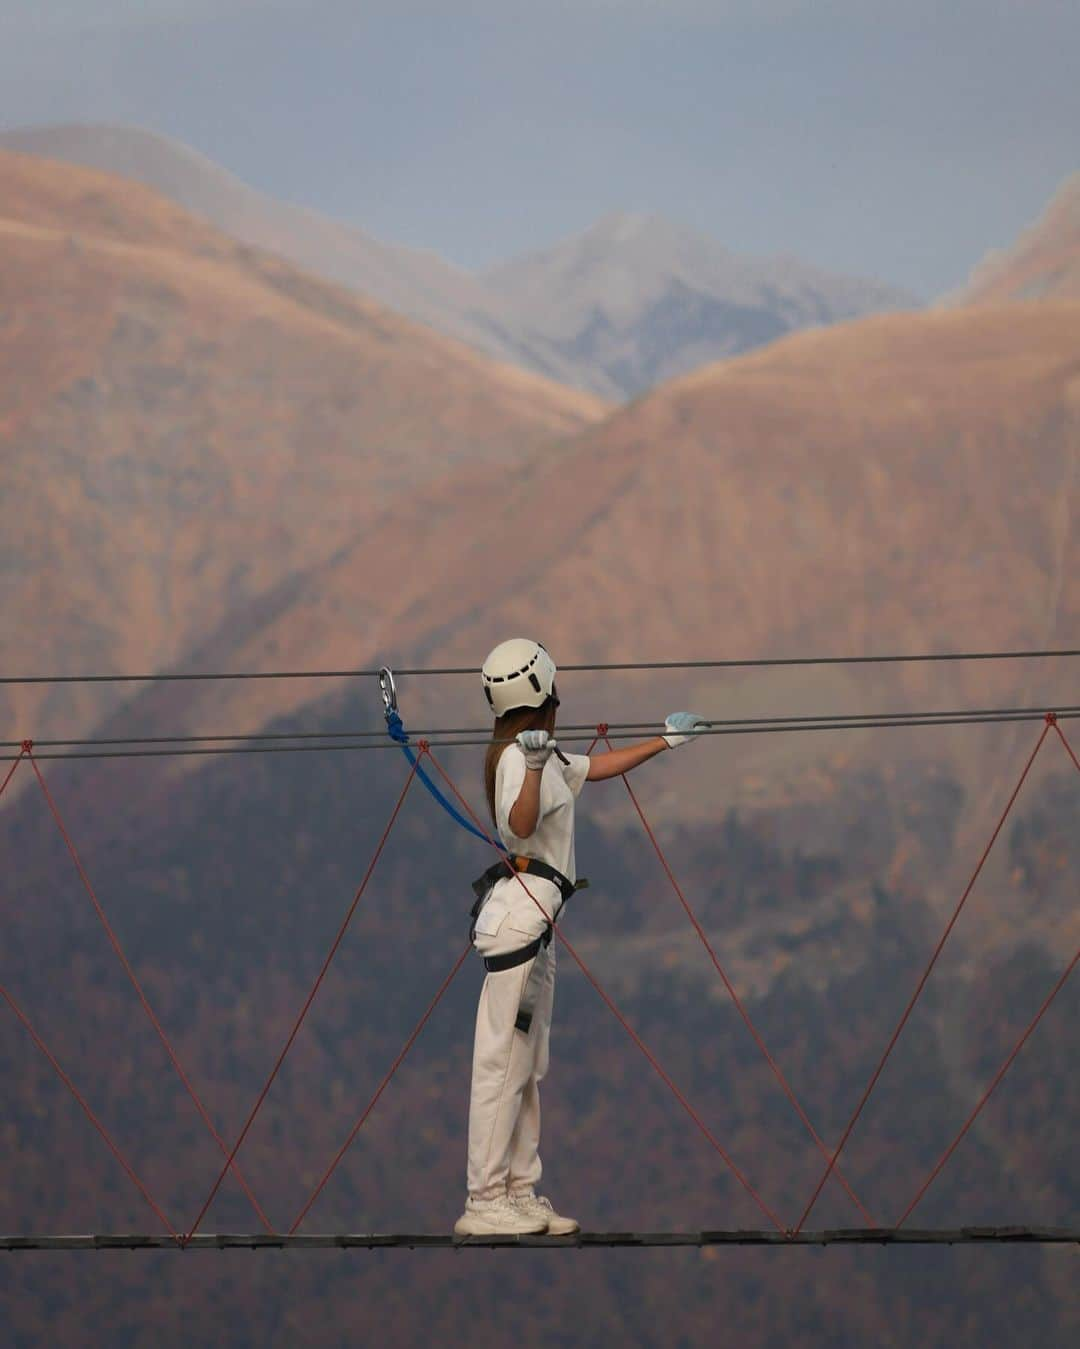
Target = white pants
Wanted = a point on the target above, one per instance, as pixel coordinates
(508, 1067)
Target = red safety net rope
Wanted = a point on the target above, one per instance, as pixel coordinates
(609, 1003)
(1007, 1064)
(382, 1087)
(25, 749)
(26, 745)
(310, 998)
(1050, 721)
(24, 1019)
(1061, 736)
(991, 1088)
(739, 1007)
(114, 941)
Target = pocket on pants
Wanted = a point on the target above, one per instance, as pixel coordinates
(525, 924)
(493, 913)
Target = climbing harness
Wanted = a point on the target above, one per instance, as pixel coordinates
(483, 886)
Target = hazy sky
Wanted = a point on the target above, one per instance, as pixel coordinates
(886, 138)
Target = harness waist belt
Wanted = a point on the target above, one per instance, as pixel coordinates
(530, 865)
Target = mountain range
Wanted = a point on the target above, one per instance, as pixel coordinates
(632, 301)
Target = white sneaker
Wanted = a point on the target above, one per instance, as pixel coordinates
(536, 1206)
(499, 1218)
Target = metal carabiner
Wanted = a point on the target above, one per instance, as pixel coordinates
(388, 689)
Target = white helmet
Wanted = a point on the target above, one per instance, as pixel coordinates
(518, 673)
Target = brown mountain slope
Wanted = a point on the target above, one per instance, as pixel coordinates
(908, 483)
(1043, 263)
(185, 423)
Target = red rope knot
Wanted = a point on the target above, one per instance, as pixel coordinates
(602, 728)
(1051, 718)
(27, 746)
(424, 746)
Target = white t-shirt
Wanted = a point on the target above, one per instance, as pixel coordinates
(552, 841)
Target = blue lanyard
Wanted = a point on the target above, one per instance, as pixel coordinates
(397, 732)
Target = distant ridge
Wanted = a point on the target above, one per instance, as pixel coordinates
(1044, 263)
(630, 302)
(643, 299)
(415, 283)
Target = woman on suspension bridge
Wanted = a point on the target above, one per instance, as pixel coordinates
(531, 789)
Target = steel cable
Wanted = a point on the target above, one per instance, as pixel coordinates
(737, 664)
(187, 746)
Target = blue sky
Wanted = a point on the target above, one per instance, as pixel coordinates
(892, 140)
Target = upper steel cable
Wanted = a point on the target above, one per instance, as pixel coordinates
(755, 664)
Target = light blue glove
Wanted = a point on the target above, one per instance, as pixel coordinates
(683, 726)
(538, 748)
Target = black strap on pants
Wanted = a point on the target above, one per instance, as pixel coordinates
(510, 961)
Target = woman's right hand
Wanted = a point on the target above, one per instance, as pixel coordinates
(537, 746)
(683, 726)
